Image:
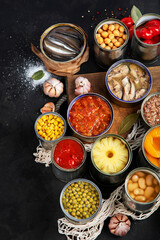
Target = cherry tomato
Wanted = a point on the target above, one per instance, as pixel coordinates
(127, 21)
(131, 29)
(148, 41)
(146, 34)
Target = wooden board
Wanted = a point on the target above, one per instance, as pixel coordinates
(98, 86)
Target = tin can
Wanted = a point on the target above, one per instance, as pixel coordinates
(78, 28)
(66, 175)
(46, 143)
(105, 57)
(114, 178)
(77, 134)
(140, 50)
(132, 204)
(70, 217)
(121, 102)
(142, 158)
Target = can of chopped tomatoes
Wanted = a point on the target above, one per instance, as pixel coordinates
(146, 38)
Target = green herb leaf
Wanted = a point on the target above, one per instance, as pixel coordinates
(128, 122)
(135, 14)
(38, 75)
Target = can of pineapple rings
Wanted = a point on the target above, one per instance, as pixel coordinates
(140, 50)
(110, 179)
(142, 155)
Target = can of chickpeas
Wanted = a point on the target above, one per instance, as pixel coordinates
(141, 190)
(110, 42)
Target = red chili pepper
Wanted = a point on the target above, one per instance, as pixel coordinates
(154, 29)
(156, 39)
(153, 22)
(148, 41)
(131, 29)
(145, 33)
(127, 21)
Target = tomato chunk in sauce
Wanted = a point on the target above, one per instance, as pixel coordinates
(90, 115)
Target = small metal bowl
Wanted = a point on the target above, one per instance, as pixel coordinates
(71, 218)
(66, 175)
(79, 29)
(122, 102)
(142, 158)
(45, 143)
(134, 205)
(142, 107)
(114, 178)
(77, 134)
(105, 57)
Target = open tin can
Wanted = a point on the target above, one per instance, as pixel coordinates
(140, 50)
(64, 174)
(132, 204)
(105, 57)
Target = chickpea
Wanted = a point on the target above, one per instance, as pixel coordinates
(124, 36)
(110, 44)
(116, 26)
(111, 36)
(107, 47)
(121, 40)
(148, 192)
(109, 32)
(103, 45)
(111, 27)
(120, 34)
(105, 27)
(114, 40)
(135, 178)
(117, 44)
(114, 47)
(104, 34)
(98, 35)
(142, 183)
(107, 40)
(116, 33)
(121, 29)
(100, 30)
(100, 40)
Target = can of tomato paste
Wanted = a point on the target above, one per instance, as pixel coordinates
(68, 159)
(141, 50)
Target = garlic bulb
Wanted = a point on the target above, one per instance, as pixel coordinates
(53, 87)
(82, 85)
(119, 225)
(48, 107)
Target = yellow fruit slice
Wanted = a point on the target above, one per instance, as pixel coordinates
(110, 155)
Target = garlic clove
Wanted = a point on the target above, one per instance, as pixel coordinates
(48, 107)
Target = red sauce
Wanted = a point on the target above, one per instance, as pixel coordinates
(90, 115)
(68, 154)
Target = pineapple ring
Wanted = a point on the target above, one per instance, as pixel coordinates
(110, 155)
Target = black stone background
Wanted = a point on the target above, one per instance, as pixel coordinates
(29, 192)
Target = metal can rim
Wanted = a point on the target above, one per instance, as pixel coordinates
(73, 169)
(143, 169)
(88, 94)
(85, 219)
(78, 28)
(47, 113)
(139, 64)
(130, 155)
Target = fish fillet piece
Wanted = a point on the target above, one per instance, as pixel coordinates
(115, 88)
(118, 72)
(140, 93)
(129, 89)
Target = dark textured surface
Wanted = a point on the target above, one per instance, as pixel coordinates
(29, 192)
